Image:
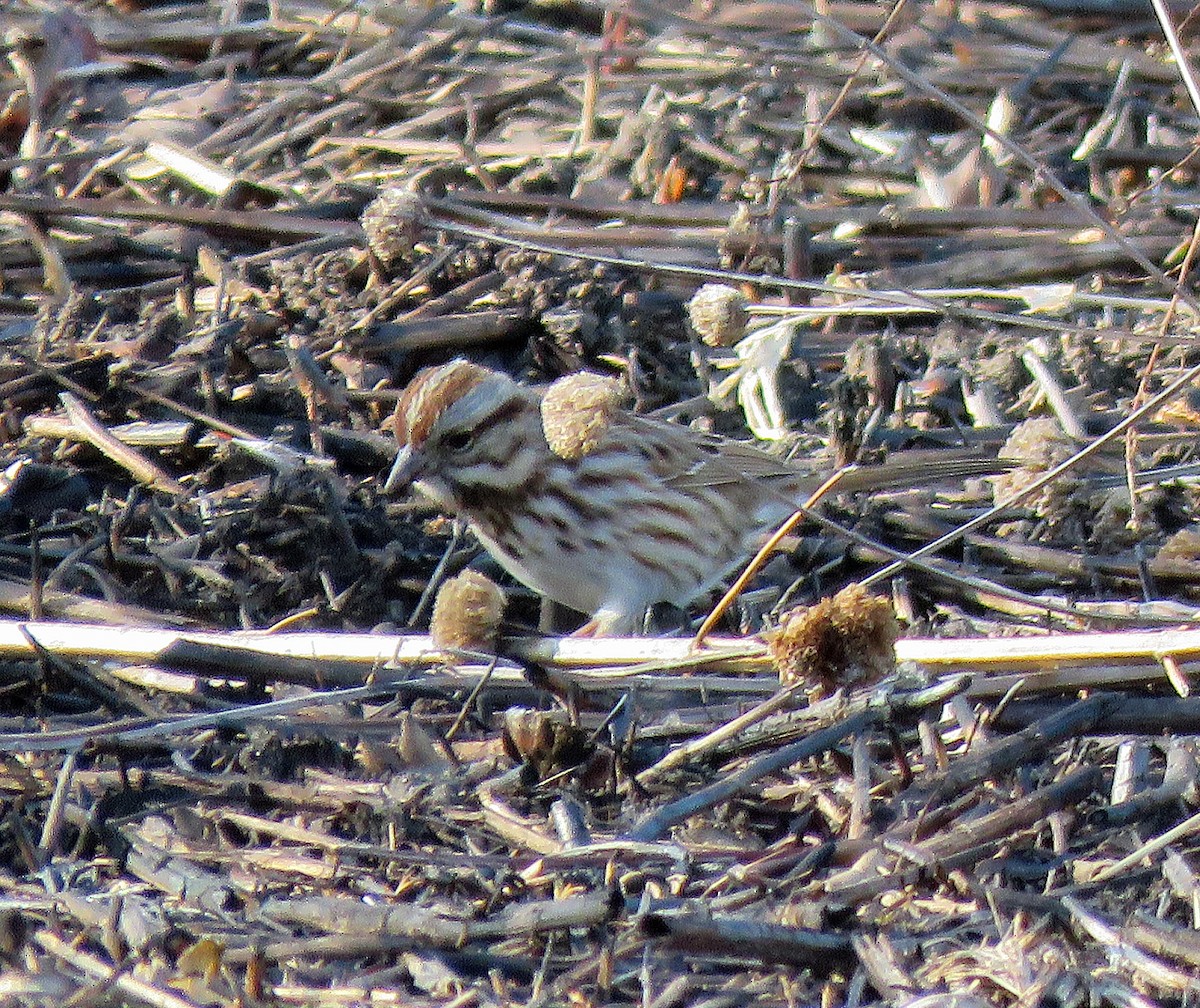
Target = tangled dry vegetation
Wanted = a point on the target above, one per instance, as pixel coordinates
(229, 234)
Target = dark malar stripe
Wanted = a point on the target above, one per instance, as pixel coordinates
(578, 505)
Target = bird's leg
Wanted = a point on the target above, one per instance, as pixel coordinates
(589, 629)
(607, 622)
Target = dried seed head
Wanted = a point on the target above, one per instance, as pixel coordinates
(1038, 442)
(718, 314)
(847, 640)
(577, 411)
(1038, 445)
(467, 613)
(391, 222)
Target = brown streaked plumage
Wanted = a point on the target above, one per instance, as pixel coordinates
(652, 512)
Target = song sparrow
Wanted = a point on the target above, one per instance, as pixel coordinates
(652, 512)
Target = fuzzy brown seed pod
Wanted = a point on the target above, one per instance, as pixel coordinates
(1038, 442)
(1037, 445)
(718, 314)
(847, 640)
(577, 411)
(391, 222)
(467, 613)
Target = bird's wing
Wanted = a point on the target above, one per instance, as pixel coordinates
(687, 458)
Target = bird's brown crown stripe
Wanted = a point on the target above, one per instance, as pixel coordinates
(429, 394)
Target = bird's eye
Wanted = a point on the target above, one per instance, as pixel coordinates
(457, 441)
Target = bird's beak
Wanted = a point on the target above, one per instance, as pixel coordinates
(404, 469)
